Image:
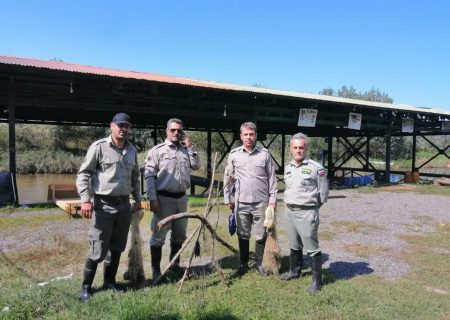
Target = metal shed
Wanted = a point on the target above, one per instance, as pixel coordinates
(54, 92)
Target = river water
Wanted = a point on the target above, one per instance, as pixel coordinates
(34, 188)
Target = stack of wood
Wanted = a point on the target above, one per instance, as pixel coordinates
(442, 182)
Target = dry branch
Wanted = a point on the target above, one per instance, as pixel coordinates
(205, 222)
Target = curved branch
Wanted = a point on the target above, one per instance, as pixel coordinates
(205, 222)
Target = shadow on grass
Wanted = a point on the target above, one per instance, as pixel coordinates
(336, 271)
(347, 270)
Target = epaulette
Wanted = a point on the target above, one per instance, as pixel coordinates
(236, 149)
(104, 140)
(259, 148)
(159, 145)
(315, 163)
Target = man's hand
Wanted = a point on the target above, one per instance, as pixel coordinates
(86, 210)
(154, 206)
(136, 206)
(231, 206)
(187, 142)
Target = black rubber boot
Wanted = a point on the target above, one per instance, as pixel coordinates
(295, 266)
(174, 248)
(316, 283)
(110, 266)
(156, 253)
(259, 252)
(88, 277)
(244, 252)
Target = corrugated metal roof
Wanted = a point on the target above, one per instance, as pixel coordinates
(70, 67)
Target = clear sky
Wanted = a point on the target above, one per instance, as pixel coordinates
(400, 47)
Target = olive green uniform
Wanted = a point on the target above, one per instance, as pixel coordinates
(109, 175)
(306, 190)
(253, 187)
(168, 175)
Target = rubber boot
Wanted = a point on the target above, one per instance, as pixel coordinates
(110, 266)
(88, 277)
(244, 252)
(316, 283)
(295, 265)
(259, 252)
(174, 248)
(156, 253)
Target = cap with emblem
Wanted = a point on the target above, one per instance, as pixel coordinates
(122, 118)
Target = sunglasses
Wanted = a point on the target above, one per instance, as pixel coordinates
(176, 130)
(123, 125)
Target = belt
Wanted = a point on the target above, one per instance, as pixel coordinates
(295, 207)
(175, 195)
(115, 199)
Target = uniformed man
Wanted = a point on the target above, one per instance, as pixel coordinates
(167, 172)
(253, 186)
(109, 173)
(306, 190)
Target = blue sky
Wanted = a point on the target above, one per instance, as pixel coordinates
(400, 47)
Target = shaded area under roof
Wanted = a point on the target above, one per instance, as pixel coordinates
(59, 92)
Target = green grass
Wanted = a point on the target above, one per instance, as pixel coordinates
(422, 294)
(7, 222)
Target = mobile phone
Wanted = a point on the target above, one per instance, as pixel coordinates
(182, 137)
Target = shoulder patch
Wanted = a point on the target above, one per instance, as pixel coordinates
(321, 172)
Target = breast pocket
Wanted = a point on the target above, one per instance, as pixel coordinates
(168, 162)
(308, 181)
(288, 177)
(260, 169)
(109, 163)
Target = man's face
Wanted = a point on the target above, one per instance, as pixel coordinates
(174, 132)
(119, 131)
(299, 149)
(248, 138)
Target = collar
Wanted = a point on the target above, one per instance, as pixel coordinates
(256, 149)
(109, 140)
(304, 162)
(171, 144)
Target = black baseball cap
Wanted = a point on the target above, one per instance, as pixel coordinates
(122, 118)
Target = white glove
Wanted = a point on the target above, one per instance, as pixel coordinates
(270, 220)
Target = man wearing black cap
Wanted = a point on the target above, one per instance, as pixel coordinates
(107, 177)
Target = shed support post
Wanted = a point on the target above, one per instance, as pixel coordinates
(413, 162)
(330, 166)
(12, 137)
(209, 156)
(387, 172)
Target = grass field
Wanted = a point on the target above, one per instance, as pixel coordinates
(424, 293)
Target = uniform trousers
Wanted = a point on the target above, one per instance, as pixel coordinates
(169, 206)
(250, 216)
(302, 225)
(109, 226)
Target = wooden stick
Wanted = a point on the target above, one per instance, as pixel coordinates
(205, 222)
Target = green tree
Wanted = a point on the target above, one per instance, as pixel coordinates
(350, 92)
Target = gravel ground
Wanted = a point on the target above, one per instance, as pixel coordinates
(381, 217)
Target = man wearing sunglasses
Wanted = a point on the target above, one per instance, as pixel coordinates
(107, 177)
(167, 172)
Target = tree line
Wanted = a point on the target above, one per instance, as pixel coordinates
(61, 148)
